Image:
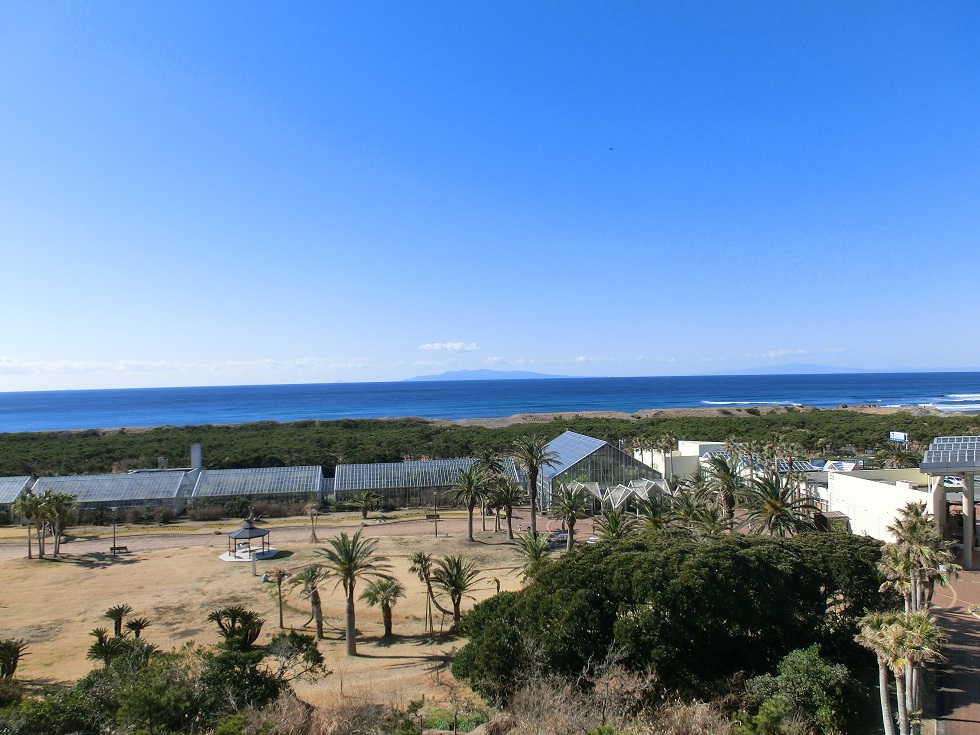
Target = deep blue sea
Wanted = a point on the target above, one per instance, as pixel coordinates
(91, 409)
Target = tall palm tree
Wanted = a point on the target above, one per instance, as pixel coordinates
(725, 479)
(470, 488)
(25, 507)
(280, 575)
(348, 559)
(534, 551)
(456, 577)
(310, 579)
(312, 510)
(922, 642)
(56, 509)
(666, 443)
(615, 524)
(507, 496)
(568, 505)
(532, 453)
(116, 613)
(777, 509)
(493, 467)
(384, 592)
(873, 636)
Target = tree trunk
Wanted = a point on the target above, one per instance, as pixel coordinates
(903, 713)
(456, 612)
(469, 520)
(510, 526)
(279, 585)
(886, 703)
(317, 610)
(30, 542)
(313, 536)
(532, 483)
(349, 625)
(386, 618)
(483, 514)
(571, 535)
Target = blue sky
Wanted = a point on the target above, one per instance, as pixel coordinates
(233, 192)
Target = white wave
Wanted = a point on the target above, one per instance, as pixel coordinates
(963, 396)
(959, 407)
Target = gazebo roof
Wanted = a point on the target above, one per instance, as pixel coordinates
(248, 531)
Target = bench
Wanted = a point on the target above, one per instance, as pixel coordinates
(432, 517)
(118, 549)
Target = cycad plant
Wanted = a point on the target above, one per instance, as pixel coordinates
(116, 613)
(137, 626)
(777, 508)
(615, 524)
(12, 650)
(238, 625)
(534, 552)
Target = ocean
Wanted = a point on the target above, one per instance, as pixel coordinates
(103, 409)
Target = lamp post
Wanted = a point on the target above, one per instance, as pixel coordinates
(113, 549)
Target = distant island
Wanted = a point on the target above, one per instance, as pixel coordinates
(487, 375)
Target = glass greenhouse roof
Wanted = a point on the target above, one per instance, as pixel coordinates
(134, 486)
(420, 473)
(12, 487)
(949, 453)
(259, 481)
(570, 448)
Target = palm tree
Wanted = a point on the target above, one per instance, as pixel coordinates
(922, 641)
(116, 613)
(615, 524)
(348, 559)
(777, 509)
(280, 575)
(367, 501)
(655, 511)
(532, 454)
(309, 579)
(25, 507)
(568, 505)
(873, 637)
(493, 467)
(137, 626)
(57, 507)
(507, 495)
(105, 649)
(312, 510)
(897, 457)
(11, 652)
(666, 443)
(534, 551)
(456, 578)
(238, 624)
(725, 479)
(470, 488)
(384, 592)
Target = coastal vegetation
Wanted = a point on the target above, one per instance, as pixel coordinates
(327, 443)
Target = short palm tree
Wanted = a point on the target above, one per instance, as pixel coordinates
(493, 467)
(384, 593)
(137, 626)
(666, 443)
(57, 507)
(534, 551)
(310, 579)
(471, 487)
(615, 524)
(367, 500)
(28, 506)
(11, 652)
(116, 614)
(873, 636)
(532, 454)
(568, 505)
(725, 480)
(349, 559)
(456, 577)
(105, 649)
(280, 575)
(655, 512)
(777, 509)
(238, 625)
(312, 510)
(507, 496)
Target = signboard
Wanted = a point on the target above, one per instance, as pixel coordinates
(898, 436)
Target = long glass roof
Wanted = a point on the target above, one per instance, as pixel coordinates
(134, 486)
(570, 448)
(799, 465)
(418, 473)
(951, 453)
(11, 487)
(258, 481)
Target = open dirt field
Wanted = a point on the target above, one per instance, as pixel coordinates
(175, 578)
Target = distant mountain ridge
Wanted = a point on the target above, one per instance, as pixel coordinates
(486, 375)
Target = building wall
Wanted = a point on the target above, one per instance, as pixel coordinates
(872, 499)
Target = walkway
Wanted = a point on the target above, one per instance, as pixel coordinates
(958, 695)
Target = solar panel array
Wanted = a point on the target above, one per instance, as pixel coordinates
(955, 452)
(414, 474)
(12, 487)
(259, 481)
(132, 487)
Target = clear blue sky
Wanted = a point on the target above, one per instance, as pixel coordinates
(242, 192)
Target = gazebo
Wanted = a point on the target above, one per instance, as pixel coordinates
(240, 546)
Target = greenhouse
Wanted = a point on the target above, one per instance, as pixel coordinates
(407, 483)
(120, 491)
(261, 483)
(10, 490)
(597, 464)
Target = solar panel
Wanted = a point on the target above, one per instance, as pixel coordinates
(259, 481)
(12, 487)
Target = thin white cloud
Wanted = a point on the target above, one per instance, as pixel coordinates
(783, 352)
(451, 346)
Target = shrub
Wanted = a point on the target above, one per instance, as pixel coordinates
(212, 513)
